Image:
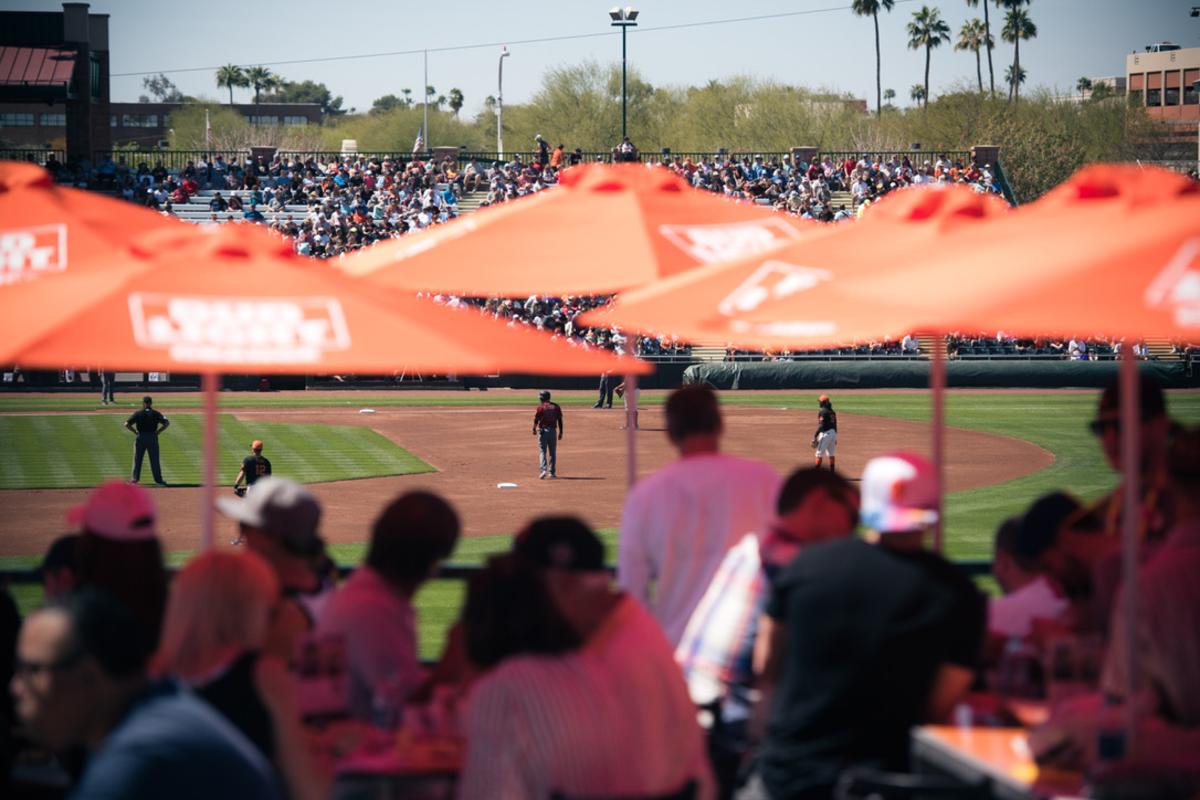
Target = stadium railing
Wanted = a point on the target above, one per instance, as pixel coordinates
(34, 155)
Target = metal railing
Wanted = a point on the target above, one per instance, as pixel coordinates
(32, 155)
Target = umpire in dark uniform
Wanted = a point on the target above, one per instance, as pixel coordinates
(147, 424)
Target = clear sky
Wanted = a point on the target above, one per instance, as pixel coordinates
(824, 46)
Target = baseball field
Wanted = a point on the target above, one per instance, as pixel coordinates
(360, 449)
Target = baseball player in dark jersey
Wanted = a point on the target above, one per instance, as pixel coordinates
(825, 438)
(546, 419)
(147, 424)
(254, 466)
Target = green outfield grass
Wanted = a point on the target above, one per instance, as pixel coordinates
(1054, 421)
(59, 451)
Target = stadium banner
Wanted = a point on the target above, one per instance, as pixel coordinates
(974, 373)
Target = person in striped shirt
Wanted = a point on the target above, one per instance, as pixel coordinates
(606, 716)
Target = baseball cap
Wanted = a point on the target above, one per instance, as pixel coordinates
(256, 444)
(116, 510)
(544, 395)
(822, 398)
(561, 543)
(899, 493)
(282, 508)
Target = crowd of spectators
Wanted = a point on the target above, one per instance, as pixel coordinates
(807, 189)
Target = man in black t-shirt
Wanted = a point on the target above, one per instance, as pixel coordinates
(878, 638)
(147, 424)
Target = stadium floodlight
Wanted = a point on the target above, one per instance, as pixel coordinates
(624, 18)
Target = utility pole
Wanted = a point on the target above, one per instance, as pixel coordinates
(500, 105)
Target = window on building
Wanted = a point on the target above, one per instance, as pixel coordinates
(1154, 97)
(139, 120)
(1172, 97)
(1135, 97)
(295, 120)
(268, 119)
(1189, 94)
(16, 119)
(94, 78)
(53, 120)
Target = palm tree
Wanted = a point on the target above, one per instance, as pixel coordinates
(991, 41)
(1084, 85)
(1017, 26)
(870, 8)
(261, 78)
(408, 101)
(889, 95)
(927, 29)
(971, 36)
(229, 76)
(456, 101)
(1015, 75)
(917, 93)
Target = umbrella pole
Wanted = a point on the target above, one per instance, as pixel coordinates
(208, 383)
(937, 385)
(1130, 507)
(631, 410)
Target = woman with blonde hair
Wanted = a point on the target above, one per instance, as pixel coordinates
(216, 622)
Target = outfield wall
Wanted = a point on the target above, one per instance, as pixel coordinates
(881, 374)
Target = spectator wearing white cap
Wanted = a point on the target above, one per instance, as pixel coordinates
(278, 520)
(867, 640)
(118, 552)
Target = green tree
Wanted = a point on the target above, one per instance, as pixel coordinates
(229, 76)
(162, 89)
(927, 29)
(973, 36)
(408, 101)
(870, 8)
(1017, 27)
(307, 92)
(1083, 85)
(1015, 75)
(261, 78)
(889, 95)
(991, 40)
(917, 93)
(456, 101)
(389, 102)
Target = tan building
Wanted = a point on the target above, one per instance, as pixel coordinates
(1164, 81)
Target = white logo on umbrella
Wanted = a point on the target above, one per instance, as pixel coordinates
(239, 330)
(28, 252)
(775, 280)
(1178, 286)
(709, 244)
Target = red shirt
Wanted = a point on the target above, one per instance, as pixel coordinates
(548, 415)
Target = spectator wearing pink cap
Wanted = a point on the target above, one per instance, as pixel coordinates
(118, 552)
(878, 637)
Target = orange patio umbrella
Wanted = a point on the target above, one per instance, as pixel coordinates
(813, 292)
(603, 229)
(236, 298)
(47, 229)
(1115, 251)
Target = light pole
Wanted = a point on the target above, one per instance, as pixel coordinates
(500, 105)
(624, 18)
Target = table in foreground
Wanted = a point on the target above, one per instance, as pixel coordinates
(999, 754)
